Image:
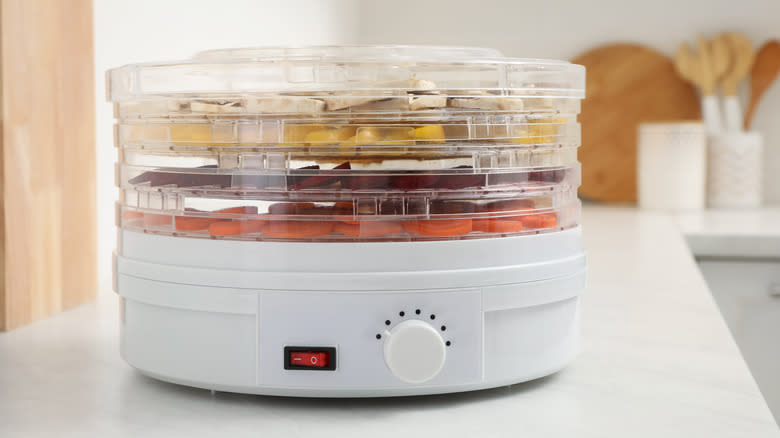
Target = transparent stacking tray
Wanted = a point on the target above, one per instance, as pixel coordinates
(341, 204)
(388, 143)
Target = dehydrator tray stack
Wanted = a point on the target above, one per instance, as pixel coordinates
(348, 144)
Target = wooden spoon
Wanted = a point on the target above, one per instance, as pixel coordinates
(742, 55)
(765, 70)
(700, 70)
(720, 56)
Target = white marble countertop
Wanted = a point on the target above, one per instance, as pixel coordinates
(753, 233)
(657, 360)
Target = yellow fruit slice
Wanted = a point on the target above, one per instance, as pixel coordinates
(539, 132)
(329, 136)
(398, 136)
(296, 134)
(430, 134)
(190, 133)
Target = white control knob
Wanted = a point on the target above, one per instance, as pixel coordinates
(414, 351)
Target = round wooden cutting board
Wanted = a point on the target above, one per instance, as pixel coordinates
(627, 84)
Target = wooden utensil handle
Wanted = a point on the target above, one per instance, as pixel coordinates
(710, 111)
(733, 113)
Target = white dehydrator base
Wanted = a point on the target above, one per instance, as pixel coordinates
(218, 314)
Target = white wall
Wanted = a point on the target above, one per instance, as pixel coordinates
(564, 28)
(149, 30)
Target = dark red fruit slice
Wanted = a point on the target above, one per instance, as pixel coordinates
(413, 182)
(553, 175)
(363, 182)
(195, 223)
(294, 179)
(497, 179)
(290, 207)
(461, 181)
(453, 207)
(505, 205)
(391, 207)
(324, 178)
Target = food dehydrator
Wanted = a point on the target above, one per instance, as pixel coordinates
(348, 221)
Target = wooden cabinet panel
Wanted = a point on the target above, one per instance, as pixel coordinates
(47, 210)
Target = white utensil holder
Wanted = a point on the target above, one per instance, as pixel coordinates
(671, 160)
(734, 177)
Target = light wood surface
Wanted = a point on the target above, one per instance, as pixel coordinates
(48, 159)
(627, 85)
(763, 73)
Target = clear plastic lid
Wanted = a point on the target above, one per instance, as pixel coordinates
(333, 72)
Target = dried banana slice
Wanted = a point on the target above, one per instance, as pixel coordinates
(486, 103)
(342, 102)
(426, 101)
(361, 98)
(400, 103)
(179, 106)
(217, 106)
(285, 104)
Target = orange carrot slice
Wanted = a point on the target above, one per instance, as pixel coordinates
(234, 228)
(544, 220)
(297, 229)
(482, 225)
(156, 220)
(505, 226)
(187, 223)
(445, 227)
(369, 228)
(550, 221)
(411, 227)
(131, 214)
(497, 225)
(196, 223)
